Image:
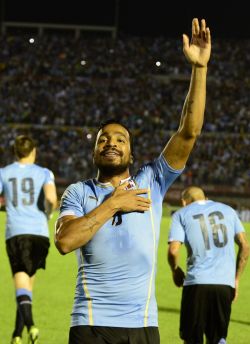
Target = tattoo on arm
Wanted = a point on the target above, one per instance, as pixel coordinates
(187, 109)
(189, 106)
(91, 223)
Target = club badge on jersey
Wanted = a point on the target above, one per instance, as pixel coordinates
(117, 218)
(131, 185)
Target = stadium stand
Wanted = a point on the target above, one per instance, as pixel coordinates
(58, 87)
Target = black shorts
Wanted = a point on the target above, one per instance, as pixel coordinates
(205, 309)
(113, 335)
(27, 253)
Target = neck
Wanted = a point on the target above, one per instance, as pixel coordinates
(27, 160)
(114, 180)
(195, 200)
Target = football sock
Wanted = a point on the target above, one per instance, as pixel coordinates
(24, 303)
(19, 325)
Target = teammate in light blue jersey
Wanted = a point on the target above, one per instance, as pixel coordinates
(113, 221)
(30, 196)
(23, 187)
(209, 230)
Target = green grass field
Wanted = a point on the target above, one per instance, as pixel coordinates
(54, 291)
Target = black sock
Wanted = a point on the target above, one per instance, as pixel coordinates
(25, 308)
(19, 325)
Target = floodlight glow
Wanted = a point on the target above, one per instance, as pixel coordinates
(83, 62)
(89, 136)
(158, 63)
(31, 40)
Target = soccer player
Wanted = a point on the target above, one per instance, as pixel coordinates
(209, 231)
(113, 220)
(30, 197)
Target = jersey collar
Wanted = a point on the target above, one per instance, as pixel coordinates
(108, 184)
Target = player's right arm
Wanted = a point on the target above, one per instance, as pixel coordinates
(73, 232)
(242, 258)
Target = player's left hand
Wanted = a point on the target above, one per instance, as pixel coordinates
(178, 276)
(198, 51)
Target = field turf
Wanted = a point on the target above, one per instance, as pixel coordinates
(54, 291)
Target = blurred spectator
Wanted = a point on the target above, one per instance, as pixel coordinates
(61, 88)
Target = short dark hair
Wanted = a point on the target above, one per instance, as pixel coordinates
(23, 146)
(116, 121)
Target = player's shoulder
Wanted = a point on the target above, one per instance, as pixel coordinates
(223, 205)
(149, 167)
(193, 207)
(44, 170)
(39, 167)
(223, 210)
(77, 188)
(7, 168)
(157, 160)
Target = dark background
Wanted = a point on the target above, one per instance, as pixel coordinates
(167, 18)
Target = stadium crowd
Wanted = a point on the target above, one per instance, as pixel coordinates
(57, 88)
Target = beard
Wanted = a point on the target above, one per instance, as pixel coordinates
(109, 169)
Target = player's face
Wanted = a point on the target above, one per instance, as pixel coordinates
(112, 152)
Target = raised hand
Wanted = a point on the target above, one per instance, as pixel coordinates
(129, 200)
(198, 51)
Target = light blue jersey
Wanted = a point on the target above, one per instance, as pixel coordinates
(208, 230)
(116, 269)
(22, 185)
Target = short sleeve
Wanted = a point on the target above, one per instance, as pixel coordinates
(238, 226)
(49, 176)
(161, 174)
(176, 232)
(72, 201)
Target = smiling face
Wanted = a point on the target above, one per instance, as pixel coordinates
(112, 152)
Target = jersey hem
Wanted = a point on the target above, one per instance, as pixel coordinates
(123, 324)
